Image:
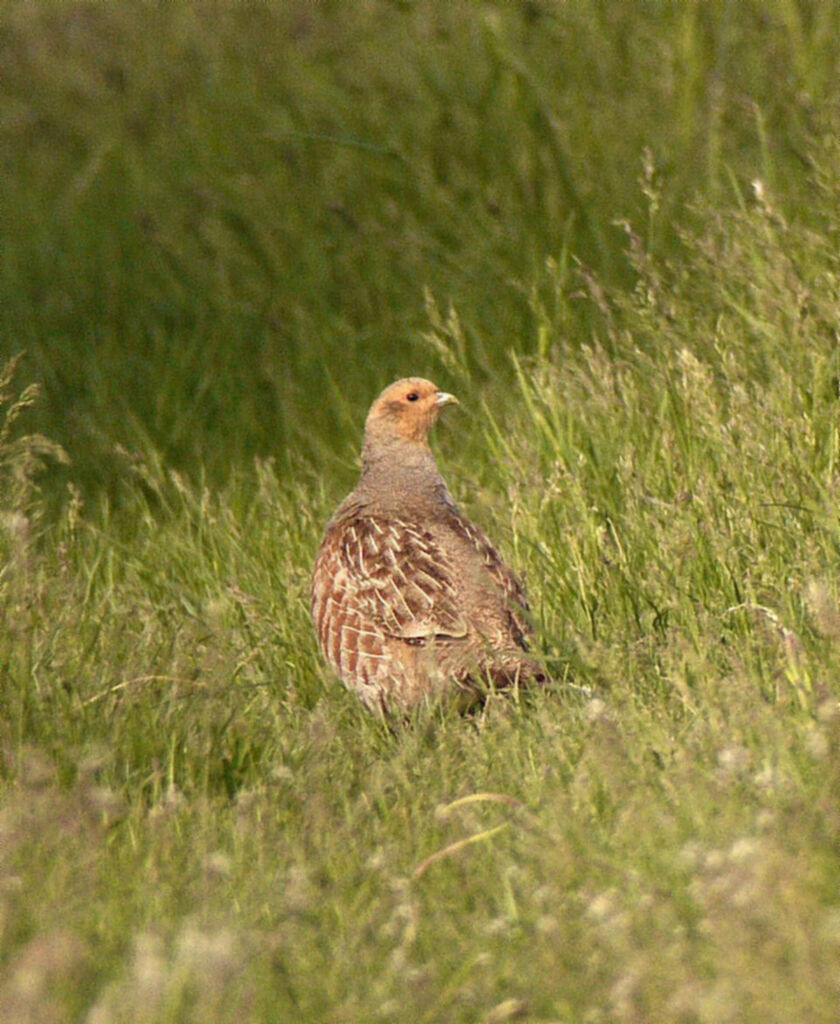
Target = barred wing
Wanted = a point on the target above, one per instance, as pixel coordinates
(509, 584)
(379, 580)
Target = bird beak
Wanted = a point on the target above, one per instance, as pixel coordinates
(443, 398)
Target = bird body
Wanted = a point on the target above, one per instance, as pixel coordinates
(410, 599)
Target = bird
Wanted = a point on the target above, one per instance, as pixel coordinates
(410, 600)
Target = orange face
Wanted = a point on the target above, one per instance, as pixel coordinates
(408, 408)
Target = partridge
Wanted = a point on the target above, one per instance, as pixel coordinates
(410, 599)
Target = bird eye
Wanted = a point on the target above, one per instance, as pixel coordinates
(412, 396)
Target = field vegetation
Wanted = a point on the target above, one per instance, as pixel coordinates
(613, 230)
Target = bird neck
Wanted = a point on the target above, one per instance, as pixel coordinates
(396, 469)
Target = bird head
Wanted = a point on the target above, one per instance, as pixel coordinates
(406, 410)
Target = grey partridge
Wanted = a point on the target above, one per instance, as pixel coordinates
(409, 598)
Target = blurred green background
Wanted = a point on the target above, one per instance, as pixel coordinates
(223, 224)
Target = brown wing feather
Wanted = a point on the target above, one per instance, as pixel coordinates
(378, 580)
(403, 581)
(511, 587)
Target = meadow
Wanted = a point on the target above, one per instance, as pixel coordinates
(613, 230)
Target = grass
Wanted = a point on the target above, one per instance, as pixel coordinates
(613, 233)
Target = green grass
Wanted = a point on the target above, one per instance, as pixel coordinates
(226, 227)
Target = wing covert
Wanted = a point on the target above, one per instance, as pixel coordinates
(402, 580)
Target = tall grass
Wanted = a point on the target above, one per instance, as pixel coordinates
(223, 214)
(613, 233)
